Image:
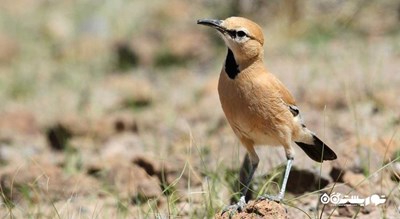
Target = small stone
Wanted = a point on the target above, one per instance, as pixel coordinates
(357, 181)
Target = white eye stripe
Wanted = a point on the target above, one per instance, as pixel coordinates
(241, 39)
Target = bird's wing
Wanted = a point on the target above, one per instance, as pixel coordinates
(286, 97)
(283, 92)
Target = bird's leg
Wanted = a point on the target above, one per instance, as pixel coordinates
(246, 175)
(281, 194)
(247, 170)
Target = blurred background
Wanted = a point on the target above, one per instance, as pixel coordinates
(110, 108)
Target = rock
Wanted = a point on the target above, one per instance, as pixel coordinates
(185, 46)
(133, 182)
(169, 171)
(341, 188)
(89, 47)
(17, 154)
(357, 181)
(210, 88)
(112, 124)
(85, 48)
(344, 211)
(140, 176)
(124, 147)
(39, 182)
(365, 153)
(71, 127)
(146, 48)
(135, 92)
(257, 209)
(385, 98)
(17, 123)
(21, 7)
(76, 124)
(325, 98)
(123, 91)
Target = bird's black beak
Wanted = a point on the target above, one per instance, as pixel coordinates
(217, 24)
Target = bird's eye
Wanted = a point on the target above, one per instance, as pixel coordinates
(240, 33)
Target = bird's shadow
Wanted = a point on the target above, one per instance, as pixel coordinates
(300, 181)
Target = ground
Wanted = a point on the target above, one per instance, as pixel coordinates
(111, 110)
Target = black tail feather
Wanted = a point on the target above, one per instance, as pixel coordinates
(317, 151)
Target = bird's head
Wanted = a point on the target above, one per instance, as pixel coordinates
(242, 36)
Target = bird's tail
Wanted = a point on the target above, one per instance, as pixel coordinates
(318, 150)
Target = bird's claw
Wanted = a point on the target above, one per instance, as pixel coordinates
(238, 207)
(275, 198)
(232, 209)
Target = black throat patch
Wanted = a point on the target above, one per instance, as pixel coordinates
(231, 67)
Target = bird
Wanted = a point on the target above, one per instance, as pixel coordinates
(257, 105)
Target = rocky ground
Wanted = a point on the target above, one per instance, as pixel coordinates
(108, 115)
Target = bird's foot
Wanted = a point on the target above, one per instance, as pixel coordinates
(275, 198)
(235, 208)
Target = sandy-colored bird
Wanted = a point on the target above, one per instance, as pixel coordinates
(258, 107)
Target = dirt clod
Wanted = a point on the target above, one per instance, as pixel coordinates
(38, 182)
(133, 182)
(16, 124)
(257, 209)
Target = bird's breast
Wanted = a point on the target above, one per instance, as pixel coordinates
(251, 109)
